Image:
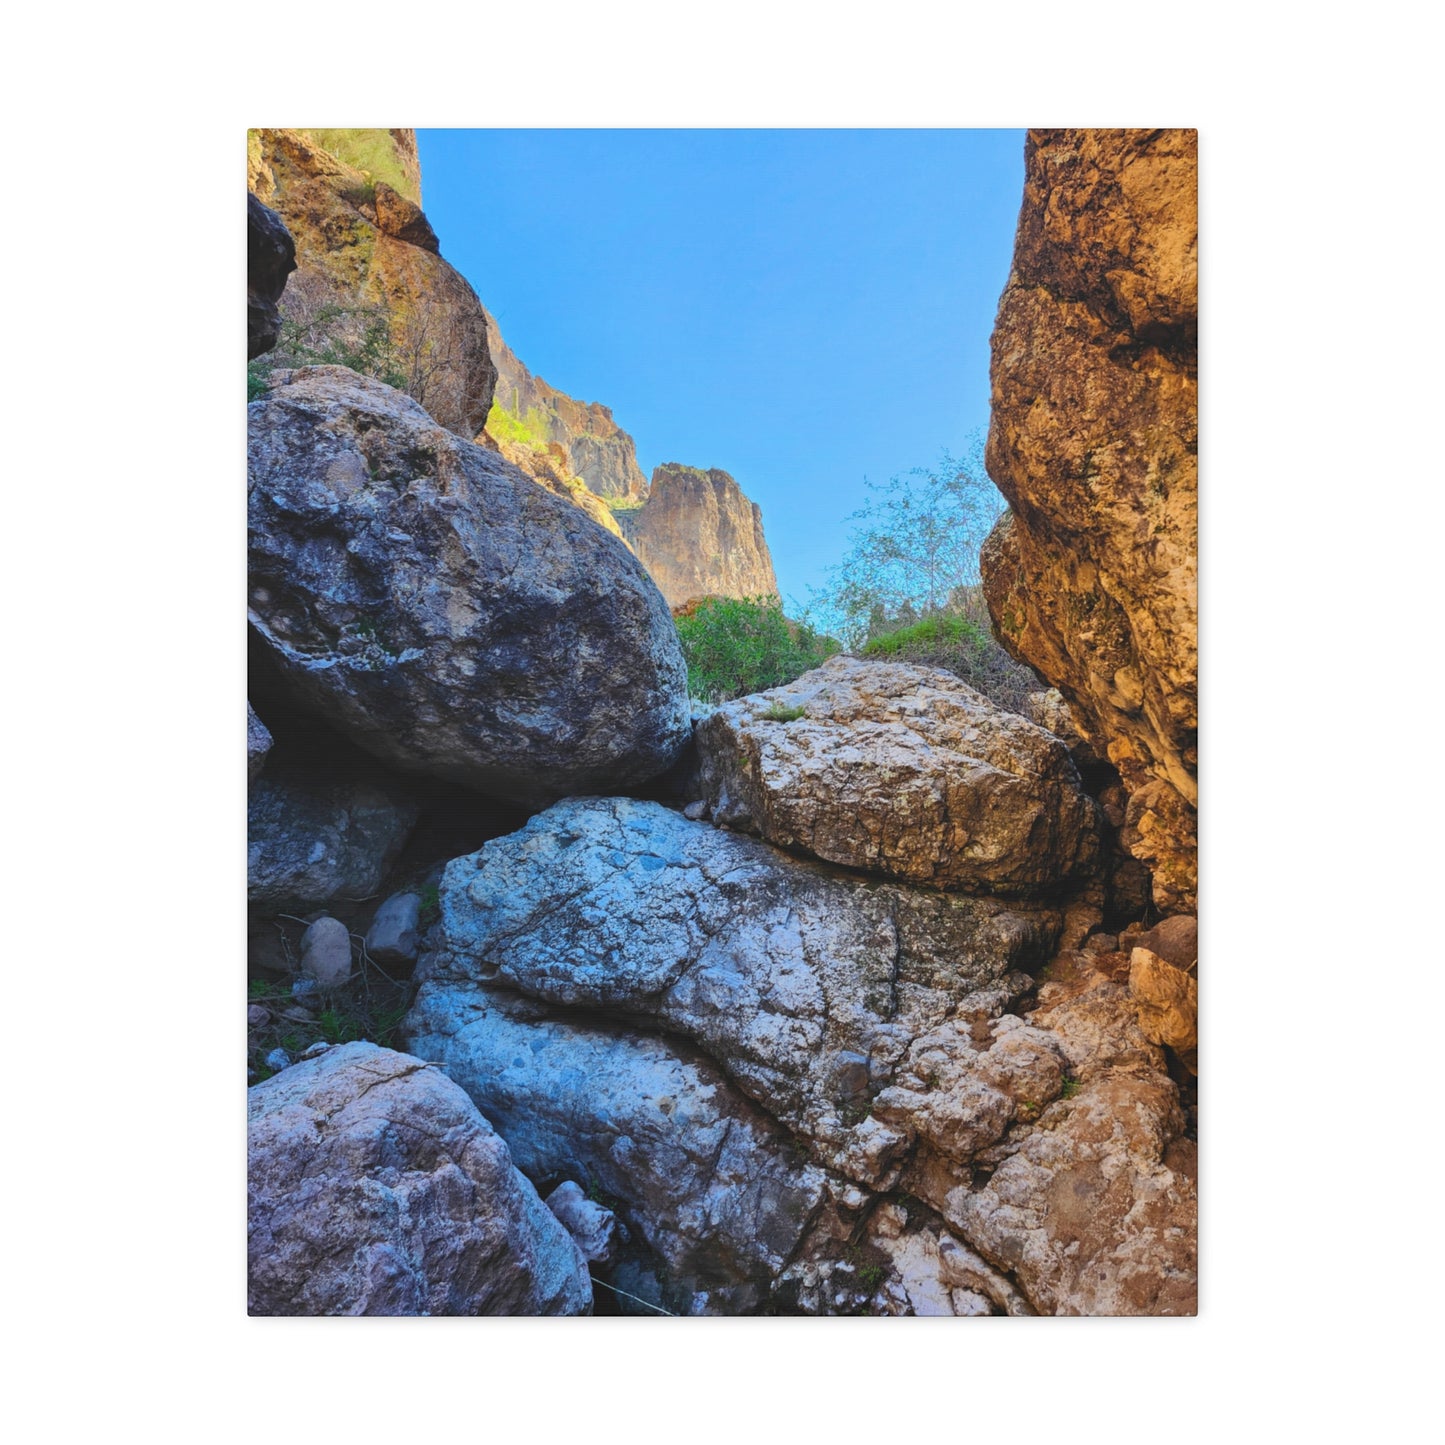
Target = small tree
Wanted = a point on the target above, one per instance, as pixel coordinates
(917, 544)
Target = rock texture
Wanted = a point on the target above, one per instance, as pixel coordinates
(808, 989)
(258, 744)
(395, 931)
(375, 1188)
(270, 259)
(1091, 578)
(551, 466)
(712, 1185)
(1168, 1001)
(596, 449)
(699, 536)
(310, 842)
(902, 770)
(750, 1054)
(362, 245)
(443, 611)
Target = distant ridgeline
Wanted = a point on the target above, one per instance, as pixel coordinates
(372, 292)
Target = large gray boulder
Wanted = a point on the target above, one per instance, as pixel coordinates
(714, 1187)
(310, 842)
(376, 1188)
(807, 987)
(901, 770)
(444, 611)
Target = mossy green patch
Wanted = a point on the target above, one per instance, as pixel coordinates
(373, 153)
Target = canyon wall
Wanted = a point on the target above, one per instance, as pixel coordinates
(601, 453)
(1092, 576)
(371, 285)
(699, 536)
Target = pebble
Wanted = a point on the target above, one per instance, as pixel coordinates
(277, 1060)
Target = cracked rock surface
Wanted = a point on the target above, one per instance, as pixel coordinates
(901, 770)
(376, 1188)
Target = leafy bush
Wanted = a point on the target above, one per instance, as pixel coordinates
(958, 639)
(735, 646)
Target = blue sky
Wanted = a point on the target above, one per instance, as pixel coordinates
(803, 309)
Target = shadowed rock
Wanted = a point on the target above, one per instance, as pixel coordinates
(270, 259)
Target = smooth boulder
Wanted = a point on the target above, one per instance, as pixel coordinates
(395, 932)
(376, 1188)
(443, 611)
(900, 770)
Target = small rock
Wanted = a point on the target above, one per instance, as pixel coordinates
(315, 1050)
(326, 952)
(593, 1227)
(696, 812)
(395, 932)
(1175, 940)
(1168, 1002)
(277, 1060)
(306, 992)
(1101, 943)
(257, 1017)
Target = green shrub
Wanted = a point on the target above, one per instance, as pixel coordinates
(959, 640)
(373, 152)
(736, 646)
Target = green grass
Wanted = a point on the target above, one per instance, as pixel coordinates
(779, 713)
(931, 633)
(373, 153)
(531, 429)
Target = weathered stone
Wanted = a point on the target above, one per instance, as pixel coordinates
(806, 987)
(699, 536)
(258, 744)
(257, 1017)
(1095, 1212)
(1091, 578)
(311, 842)
(593, 1226)
(395, 932)
(377, 1189)
(1049, 710)
(1175, 940)
(270, 259)
(1168, 1001)
(326, 952)
(404, 220)
(901, 770)
(277, 1060)
(712, 1185)
(354, 269)
(446, 613)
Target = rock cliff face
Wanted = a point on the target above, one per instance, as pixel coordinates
(1092, 578)
(600, 452)
(699, 536)
(365, 253)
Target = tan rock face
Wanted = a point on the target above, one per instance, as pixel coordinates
(361, 244)
(603, 455)
(551, 467)
(901, 770)
(699, 536)
(1168, 1002)
(1092, 577)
